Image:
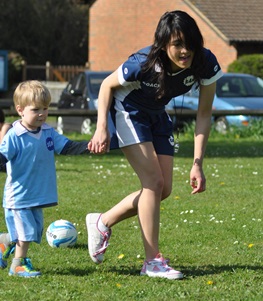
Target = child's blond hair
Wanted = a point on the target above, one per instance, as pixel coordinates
(31, 92)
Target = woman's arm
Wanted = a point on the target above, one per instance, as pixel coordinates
(100, 141)
(202, 130)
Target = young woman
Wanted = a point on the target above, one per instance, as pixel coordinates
(136, 95)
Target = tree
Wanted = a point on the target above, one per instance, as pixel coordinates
(45, 30)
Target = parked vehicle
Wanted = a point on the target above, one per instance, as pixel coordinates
(80, 93)
(234, 91)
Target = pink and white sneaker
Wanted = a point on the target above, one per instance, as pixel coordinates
(158, 267)
(97, 241)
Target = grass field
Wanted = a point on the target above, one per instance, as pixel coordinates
(214, 238)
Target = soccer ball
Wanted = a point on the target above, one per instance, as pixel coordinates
(61, 234)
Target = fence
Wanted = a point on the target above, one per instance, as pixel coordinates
(81, 112)
(49, 72)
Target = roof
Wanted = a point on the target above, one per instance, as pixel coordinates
(235, 20)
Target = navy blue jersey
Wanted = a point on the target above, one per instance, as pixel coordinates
(139, 89)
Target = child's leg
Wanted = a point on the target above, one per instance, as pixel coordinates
(21, 265)
(20, 253)
(30, 229)
(22, 249)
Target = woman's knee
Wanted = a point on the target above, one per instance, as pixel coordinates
(154, 183)
(167, 190)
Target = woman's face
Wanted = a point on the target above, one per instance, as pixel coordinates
(180, 56)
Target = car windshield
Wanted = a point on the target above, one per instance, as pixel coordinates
(95, 82)
(236, 86)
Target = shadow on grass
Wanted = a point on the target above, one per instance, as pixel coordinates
(192, 271)
(132, 270)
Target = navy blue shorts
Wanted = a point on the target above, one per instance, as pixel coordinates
(131, 126)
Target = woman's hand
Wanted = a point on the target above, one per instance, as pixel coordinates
(197, 179)
(100, 142)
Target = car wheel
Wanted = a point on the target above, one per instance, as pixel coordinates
(86, 126)
(60, 125)
(221, 125)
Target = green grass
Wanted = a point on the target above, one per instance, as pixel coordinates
(214, 238)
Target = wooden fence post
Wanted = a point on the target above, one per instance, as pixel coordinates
(23, 63)
(48, 71)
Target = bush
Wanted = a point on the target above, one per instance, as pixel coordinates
(251, 64)
(253, 130)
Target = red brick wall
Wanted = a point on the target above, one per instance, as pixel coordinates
(121, 27)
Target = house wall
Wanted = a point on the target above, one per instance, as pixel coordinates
(120, 27)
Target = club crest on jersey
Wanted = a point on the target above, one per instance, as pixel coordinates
(189, 80)
(216, 68)
(171, 140)
(50, 144)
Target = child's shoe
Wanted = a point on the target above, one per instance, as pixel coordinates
(3, 262)
(158, 267)
(25, 269)
(4, 254)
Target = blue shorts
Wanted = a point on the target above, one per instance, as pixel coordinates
(25, 224)
(134, 126)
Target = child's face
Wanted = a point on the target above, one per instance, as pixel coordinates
(33, 116)
(180, 56)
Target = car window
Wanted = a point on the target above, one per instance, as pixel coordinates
(95, 83)
(255, 87)
(81, 84)
(230, 87)
(237, 86)
(72, 84)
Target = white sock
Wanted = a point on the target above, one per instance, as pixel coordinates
(16, 262)
(101, 226)
(5, 239)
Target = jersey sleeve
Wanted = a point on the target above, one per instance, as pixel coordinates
(212, 69)
(3, 161)
(59, 141)
(75, 148)
(8, 146)
(130, 71)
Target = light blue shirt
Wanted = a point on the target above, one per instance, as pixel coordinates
(31, 172)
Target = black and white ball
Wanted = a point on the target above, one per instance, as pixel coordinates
(61, 234)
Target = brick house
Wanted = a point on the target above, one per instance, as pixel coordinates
(119, 27)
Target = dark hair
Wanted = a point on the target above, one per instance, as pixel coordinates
(174, 23)
(2, 116)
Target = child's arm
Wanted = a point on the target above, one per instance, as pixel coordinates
(75, 148)
(3, 161)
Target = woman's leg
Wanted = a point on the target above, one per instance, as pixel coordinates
(155, 174)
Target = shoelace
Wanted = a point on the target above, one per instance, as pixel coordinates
(163, 262)
(105, 243)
